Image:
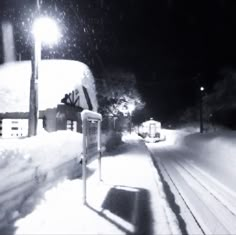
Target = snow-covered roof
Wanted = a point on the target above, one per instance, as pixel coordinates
(56, 78)
(151, 121)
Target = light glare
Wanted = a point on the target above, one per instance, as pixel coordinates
(46, 30)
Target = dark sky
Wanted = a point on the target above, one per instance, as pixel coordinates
(172, 46)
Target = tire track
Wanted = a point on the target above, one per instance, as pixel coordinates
(207, 203)
(224, 217)
(225, 196)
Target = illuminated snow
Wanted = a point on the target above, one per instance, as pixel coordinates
(61, 212)
(56, 78)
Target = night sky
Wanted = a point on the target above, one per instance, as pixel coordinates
(173, 47)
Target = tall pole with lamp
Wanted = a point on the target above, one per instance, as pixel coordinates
(201, 109)
(44, 30)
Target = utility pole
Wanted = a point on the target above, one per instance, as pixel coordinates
(201, 109)
(33, 107)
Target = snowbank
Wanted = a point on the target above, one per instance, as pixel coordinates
(215, 153)
(221, 141)
(46, 150)
(24, 163)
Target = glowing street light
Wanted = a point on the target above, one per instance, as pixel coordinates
(44, 30)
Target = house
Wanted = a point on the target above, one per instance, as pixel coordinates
(65, 88)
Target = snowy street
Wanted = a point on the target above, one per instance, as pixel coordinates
(198, 178)
(129, 200)
(191, 190)
(117, 117)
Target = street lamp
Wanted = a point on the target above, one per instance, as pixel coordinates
(201, 109)
(44, 30)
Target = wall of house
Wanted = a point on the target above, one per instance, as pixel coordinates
(64, 117)
(66, 113)
(49, 119)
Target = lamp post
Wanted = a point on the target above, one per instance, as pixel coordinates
(45, 30)
(201, 109)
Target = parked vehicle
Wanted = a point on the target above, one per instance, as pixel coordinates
(151, 131)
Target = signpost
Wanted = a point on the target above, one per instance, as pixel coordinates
(91, 125)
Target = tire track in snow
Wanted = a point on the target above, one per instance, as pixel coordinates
(205, 218)
(176, 200)
(223, 194)
(166, 174)
(211, 203)
(223, 215)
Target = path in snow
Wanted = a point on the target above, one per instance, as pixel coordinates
(202, 203)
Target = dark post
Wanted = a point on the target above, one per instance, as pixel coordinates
(201, 109)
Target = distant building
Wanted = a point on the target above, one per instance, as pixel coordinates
(66, 87)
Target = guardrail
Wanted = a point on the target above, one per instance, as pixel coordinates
(91, 126)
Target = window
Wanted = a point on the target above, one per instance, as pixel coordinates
(71, 125)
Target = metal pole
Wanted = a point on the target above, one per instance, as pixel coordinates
(201, 113)
(84, 160)
(99, 151)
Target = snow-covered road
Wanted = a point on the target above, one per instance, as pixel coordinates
(199, 187)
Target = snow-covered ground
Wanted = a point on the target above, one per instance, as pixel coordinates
(27, 165)
(130, 199)
(198, 171)
(192, 192)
